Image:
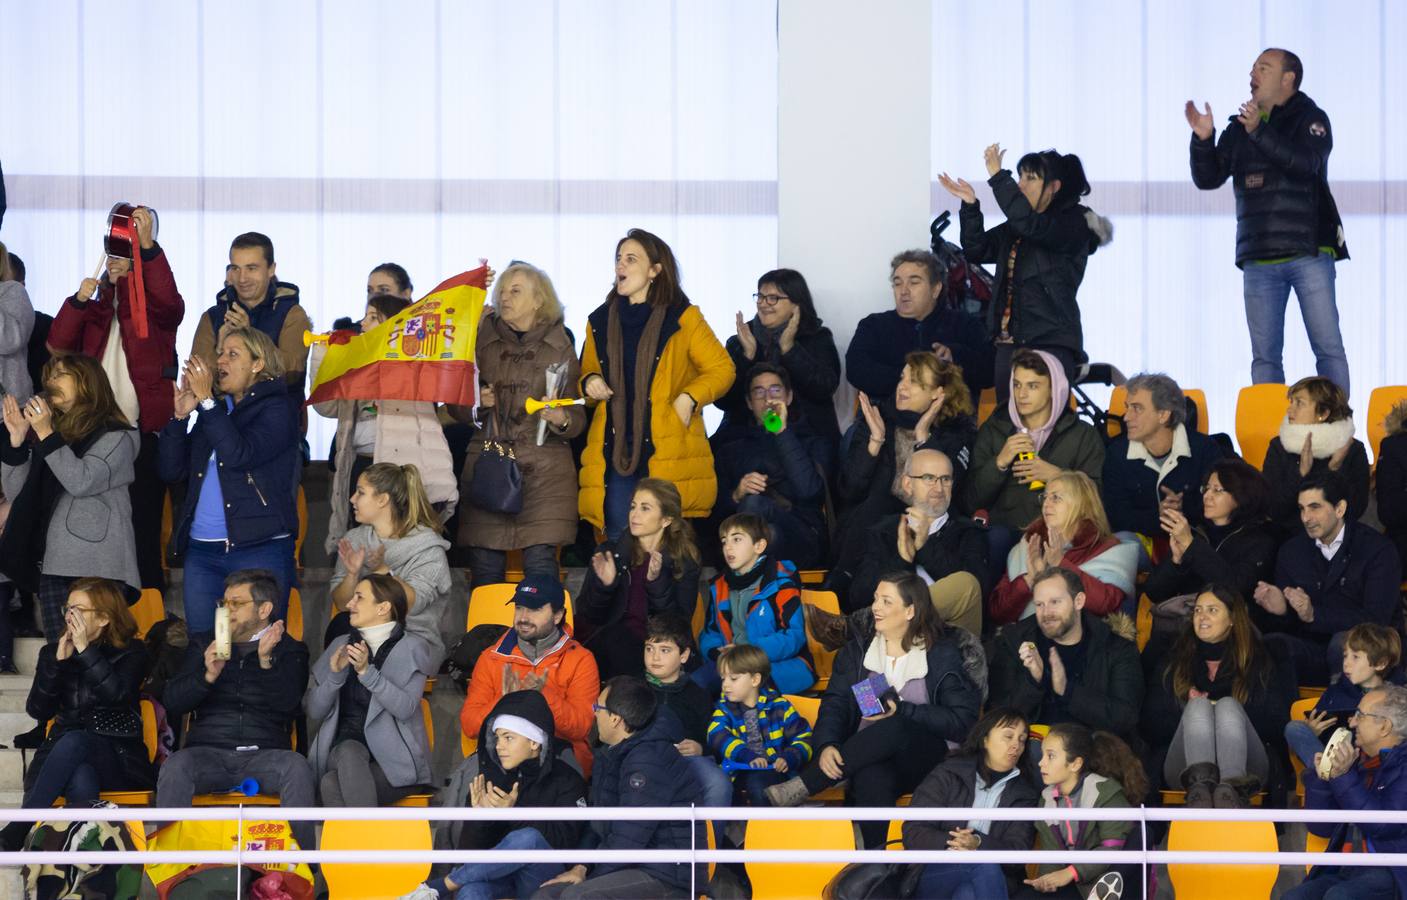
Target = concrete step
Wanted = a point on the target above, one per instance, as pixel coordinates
(11, 724)
(11, 772)
(27, 654)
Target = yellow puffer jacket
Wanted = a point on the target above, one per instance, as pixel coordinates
(691, 361)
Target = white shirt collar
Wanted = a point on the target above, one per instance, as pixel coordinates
(1332, 548)
(937, 524)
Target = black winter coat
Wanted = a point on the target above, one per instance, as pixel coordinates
(1282, 476)
(1360, 584)
(813, 364)
(1280, 174)
(599, 607)
(94, 691)
(246, 705)
(542, 782)
(644, 770)
(959, 546)
(953, 784)
(1106, 699)
(796, 462)
(953, 700)
(1392, 490)
(1050, 264)
(864, 476)
(1240, 558)
(1132, 492)
(874, 361)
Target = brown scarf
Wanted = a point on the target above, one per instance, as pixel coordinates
(626, 460)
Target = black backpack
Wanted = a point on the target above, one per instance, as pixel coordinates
(466, 651)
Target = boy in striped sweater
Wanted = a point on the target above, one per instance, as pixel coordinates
(755, 732)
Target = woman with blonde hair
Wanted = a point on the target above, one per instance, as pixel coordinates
(1072, 532)
(518, 342)
(397, 534)
(239, 462)
(88, 682)
(71, 512)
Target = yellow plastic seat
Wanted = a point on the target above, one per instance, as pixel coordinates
(1144, 621)
(1243, 882)
(148, 610)
(823, 659)
(700, 617)
(1119, 404)
(773, 881)
(808, 708)
(374, 881)
(166, 527)
(1313, 843)
(1260, 409)
(1380, 403)
(421, 800)
(488, 605)
(986, 404)
(811, 576)
(302, 526)
(293, 622)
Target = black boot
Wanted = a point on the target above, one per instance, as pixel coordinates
(1236, 793)
(12, 836)
(1199, 780)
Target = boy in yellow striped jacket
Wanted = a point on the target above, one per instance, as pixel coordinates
(755, 732)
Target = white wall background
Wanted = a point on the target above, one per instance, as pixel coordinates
(433, 132)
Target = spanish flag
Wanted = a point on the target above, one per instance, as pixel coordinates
(426, 352)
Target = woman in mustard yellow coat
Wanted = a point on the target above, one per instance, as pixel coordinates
(650, 366)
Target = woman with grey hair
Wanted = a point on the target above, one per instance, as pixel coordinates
(520, 340)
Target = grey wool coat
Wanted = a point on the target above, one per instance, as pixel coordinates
(395, 727)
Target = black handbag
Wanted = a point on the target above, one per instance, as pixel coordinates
(497, 483)
(874, 881)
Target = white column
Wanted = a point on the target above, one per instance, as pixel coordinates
(853, 111)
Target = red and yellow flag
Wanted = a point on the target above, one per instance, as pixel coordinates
(425, 352)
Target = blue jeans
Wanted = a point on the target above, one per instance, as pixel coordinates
(208, 563)
(717, 786)
(486, 881)
(76, 768)
(489, 566)
(1267, 290)
(1346, 883)
(1303, 742)
(963, 881)
(620, 489)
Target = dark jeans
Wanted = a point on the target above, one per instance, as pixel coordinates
(963, 881)
(489, 566)
(792, 538)
(208, 563)
(77, 767)
(620, 489)
(353, 778)
(1346, 883)
(749, 785)
(622, 884)
(1002, 371)
(883, 761)
(148, 493)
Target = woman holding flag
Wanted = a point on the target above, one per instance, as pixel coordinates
(650, 365)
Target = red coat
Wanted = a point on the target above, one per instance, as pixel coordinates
(1010, 597)
(84, 327)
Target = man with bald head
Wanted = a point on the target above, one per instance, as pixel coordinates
(946, 550)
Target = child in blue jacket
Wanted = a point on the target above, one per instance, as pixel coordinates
(755, 732)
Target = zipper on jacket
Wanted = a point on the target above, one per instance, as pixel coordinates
(249, 476)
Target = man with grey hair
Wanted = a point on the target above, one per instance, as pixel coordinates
(1153, 473)
(1370, 774)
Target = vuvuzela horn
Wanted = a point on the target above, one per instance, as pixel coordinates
(309, 339)
(539, 405)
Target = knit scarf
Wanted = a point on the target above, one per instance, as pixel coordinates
(626, 459)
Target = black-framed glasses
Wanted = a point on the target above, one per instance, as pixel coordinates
(928, 479)
(601, 707)
(768, 300)
(774, 392)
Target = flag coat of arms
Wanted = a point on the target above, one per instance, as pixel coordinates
(424, 353)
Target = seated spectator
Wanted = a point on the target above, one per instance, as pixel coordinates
(1371, 656)
(1234, 546)
(668, 646)
(1158, 463)
(397, 534)
(538, 654)
(1071, 532)
(756, 601)
(238, 462)
(1089, 771)
(1391, 479)
(755, 732)
(372, 430)
(946, 550)
(1333, 575)
(89, 684)
(930, 701)
(97, 321)
(1216, 695)
(1038, 437)
(652, 569)
(517, 767)
(71, 511)
(372, 748)
(787, 333)
(1316, 437)
(876, 354)
(931, 410)
(1065, 665)
(1366, 777)
(637, 765)
(249, 700)
(985, 773)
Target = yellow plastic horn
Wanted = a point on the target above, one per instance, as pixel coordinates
(309, 339)
(539, 405)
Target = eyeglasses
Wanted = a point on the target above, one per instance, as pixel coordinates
(1360, 714)
(1214, 489)
(598, 707)
(768, 300)
(776, 392)
(1051, 497)
(78, 609)
(928, 480)
(236, 604)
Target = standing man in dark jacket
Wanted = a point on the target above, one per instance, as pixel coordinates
(778, 476)
(875, 358)
(1064, 665)
(636, 766)
(97, 321)
(244, 707)
(1288, 231)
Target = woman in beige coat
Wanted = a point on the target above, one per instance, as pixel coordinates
(518, 339)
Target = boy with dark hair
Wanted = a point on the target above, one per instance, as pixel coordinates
(1371, 654)
(755, 731)
(756, 601)
(668, 646)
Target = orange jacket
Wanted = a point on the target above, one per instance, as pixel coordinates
(566, 676)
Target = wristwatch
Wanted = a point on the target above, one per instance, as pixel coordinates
(207, 404)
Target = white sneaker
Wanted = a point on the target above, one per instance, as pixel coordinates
(1110, 886)
(421, 893)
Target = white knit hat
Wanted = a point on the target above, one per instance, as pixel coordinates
(520, 726)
